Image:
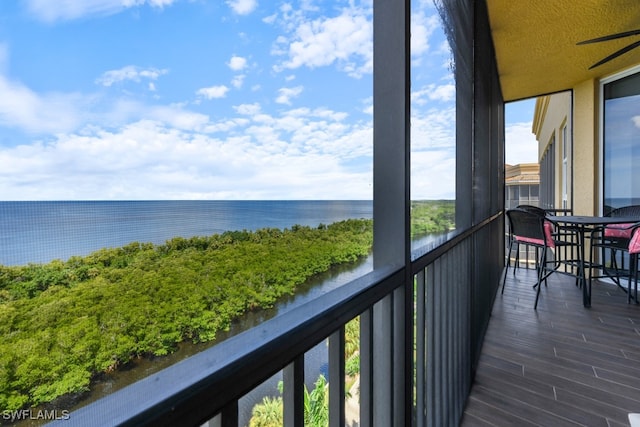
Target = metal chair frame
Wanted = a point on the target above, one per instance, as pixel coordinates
(527, 226)
(618, 248)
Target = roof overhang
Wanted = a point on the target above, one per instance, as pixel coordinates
(535, 42)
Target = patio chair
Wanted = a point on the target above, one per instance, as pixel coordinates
(630, 234)
(562, 235)
(530, 228)
(612, 241)
(536, 210)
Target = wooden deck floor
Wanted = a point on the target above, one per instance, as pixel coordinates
(559, 365)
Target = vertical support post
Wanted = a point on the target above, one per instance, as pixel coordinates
(392, 390)
(383, 378)
(293, 393)
(430, 355)
(230, 415)
(366, 370)
(402, 341)
(391, 165)
(421, 350)
(336, 379)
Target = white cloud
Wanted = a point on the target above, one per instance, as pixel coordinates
(433, 92)
(242, 7)
(270, 19)
(433, 154)
(154, 3)
(213, 92)
(636, 121)
(433, 174)
(124, 148)
(23, 108)
(178, 118)
(344, 40)
(432, 130)
(152, 158)
(248, 109)
(285, 94)
(130, 72)
(237, 63)
(53, 113)
(444, 47)
(422, 27)
(63, 10)
(520, 143)
(238, 81)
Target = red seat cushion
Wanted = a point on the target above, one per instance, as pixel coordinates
(618, 231)
(634, 244)
(548, 233)
(530, 240)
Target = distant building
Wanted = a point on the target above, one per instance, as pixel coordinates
(522, 185)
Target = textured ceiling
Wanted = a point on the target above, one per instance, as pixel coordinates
(535, 42)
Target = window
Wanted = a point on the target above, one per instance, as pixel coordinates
(547, 177)
(534, 192)
(621, 142)
(515, 192)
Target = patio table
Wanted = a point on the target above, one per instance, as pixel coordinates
(581, 225)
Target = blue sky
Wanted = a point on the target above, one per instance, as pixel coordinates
(195, 99)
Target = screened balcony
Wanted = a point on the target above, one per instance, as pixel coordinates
(561, 364)
(429, 344)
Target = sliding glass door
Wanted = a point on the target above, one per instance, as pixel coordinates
(621, 142)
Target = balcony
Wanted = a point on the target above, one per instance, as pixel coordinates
(436, 298)
(424, 320)
(561, 364)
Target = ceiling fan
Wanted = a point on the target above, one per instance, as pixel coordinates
(613, 37)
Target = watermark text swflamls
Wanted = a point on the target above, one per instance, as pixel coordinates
(30, 414)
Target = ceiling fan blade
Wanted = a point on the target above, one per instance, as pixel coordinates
(616, 54)
(611, 37)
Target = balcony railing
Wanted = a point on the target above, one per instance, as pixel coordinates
(421, 332)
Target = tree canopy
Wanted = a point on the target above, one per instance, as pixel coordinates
(64, 322)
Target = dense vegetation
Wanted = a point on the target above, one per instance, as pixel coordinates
(432, 216)
(269, 413)
(63, 322)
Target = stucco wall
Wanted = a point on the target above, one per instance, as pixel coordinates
(552, 113)
(585, 150)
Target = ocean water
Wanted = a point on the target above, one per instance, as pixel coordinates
(39, 232)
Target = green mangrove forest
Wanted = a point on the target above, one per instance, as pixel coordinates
(65, 322)
(432, 216)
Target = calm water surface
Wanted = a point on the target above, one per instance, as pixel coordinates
(39, 232)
